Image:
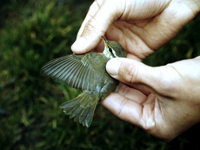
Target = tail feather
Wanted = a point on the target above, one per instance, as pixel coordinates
(83, 115)
(82, 107)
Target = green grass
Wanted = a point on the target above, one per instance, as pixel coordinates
(34, 32)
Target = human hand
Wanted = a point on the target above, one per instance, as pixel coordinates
(156, 100)
(141, 27)
(164, 101)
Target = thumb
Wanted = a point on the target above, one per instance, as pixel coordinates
(132, 72)
(95, 25)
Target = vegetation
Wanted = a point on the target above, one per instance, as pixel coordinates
(34, 32)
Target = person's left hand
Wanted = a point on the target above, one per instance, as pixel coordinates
(141, 27)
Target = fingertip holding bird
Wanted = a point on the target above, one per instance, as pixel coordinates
(112, 67)
(79, 45)
(85, 44)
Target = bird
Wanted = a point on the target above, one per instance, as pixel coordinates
(86, 72)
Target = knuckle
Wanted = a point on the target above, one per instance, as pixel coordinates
(90, 25)
(131, 74)
(121, 107)
(123, 90)
(147, 120)
(149, 126)
(99, 2)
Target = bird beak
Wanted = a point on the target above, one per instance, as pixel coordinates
(106, 51)
(105, 41)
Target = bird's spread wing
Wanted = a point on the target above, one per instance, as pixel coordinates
(76, 70)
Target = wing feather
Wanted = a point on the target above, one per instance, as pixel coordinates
(75, 70)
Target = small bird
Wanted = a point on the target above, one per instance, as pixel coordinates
(85, 72)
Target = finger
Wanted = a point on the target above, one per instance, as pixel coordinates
(123, 108)
(131, 93)
(95, 27)
(132, 112)
(131, 72)
(92, 11)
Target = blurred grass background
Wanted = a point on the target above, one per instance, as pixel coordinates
(33, 32)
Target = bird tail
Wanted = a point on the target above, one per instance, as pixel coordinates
(82, 107)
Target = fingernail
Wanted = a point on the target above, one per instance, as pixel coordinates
(112, 67)
(79, 44)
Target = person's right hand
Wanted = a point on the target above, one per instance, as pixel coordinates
(164, 100)
(140, 26)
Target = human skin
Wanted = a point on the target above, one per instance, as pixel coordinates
(165, 100)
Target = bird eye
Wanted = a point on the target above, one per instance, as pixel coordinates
(112, 52)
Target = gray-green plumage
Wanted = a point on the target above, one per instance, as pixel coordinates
(86, 72)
